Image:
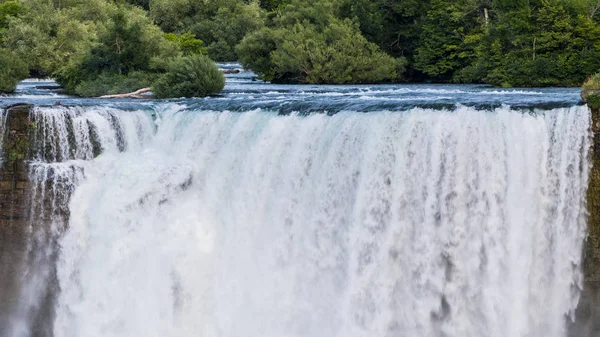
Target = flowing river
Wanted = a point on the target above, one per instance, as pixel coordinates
(305, 211)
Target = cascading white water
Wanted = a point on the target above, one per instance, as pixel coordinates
(419, 223)
(63, 139)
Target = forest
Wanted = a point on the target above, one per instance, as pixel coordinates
(96, 47)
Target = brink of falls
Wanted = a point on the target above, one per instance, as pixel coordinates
(179, 221)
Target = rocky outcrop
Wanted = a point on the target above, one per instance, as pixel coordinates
(588, 311)
(14, 189)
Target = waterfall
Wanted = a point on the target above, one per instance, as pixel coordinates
(416, 223)
(65, 139)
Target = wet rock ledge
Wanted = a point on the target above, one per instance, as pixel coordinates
(14, 189)
(588, 312)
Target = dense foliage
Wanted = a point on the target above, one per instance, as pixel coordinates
(107, 46)
(189, 76)
(12, 70)
(307, 43)
(94, 47)
(121, 58)
(221, 24)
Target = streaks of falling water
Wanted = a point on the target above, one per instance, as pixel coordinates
(64, 140)
(66, 133)
(422, 223)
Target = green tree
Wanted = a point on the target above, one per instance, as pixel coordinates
(12, 70)
(309, 44)
(220, 24)
(171, 15)
(339, 54)
(9, 9)
(129, 54)
(188, 44)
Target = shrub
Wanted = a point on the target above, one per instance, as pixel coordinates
(191, 76)
(593, 101)
(470, 74)
(255, 52)
(12, 70)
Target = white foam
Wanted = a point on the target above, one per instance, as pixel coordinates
(425, 223)
(202, 223)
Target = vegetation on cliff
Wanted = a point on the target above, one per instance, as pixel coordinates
(591, 91)
(105, 46)
(592, 83)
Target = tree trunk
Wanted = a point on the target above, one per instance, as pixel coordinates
(135, 94)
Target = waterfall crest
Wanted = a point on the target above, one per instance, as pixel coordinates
(418, 223)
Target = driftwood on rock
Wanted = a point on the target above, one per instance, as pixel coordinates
(135, 94)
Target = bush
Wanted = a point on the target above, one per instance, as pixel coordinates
(593, 101)
(12, 70)
(470, 74)
(191, 76)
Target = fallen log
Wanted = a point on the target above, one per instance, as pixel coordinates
(48, 87)
(135, 94)
(230, 71)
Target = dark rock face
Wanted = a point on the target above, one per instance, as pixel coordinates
(592, 252)
(14, 189)
(587, 321)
